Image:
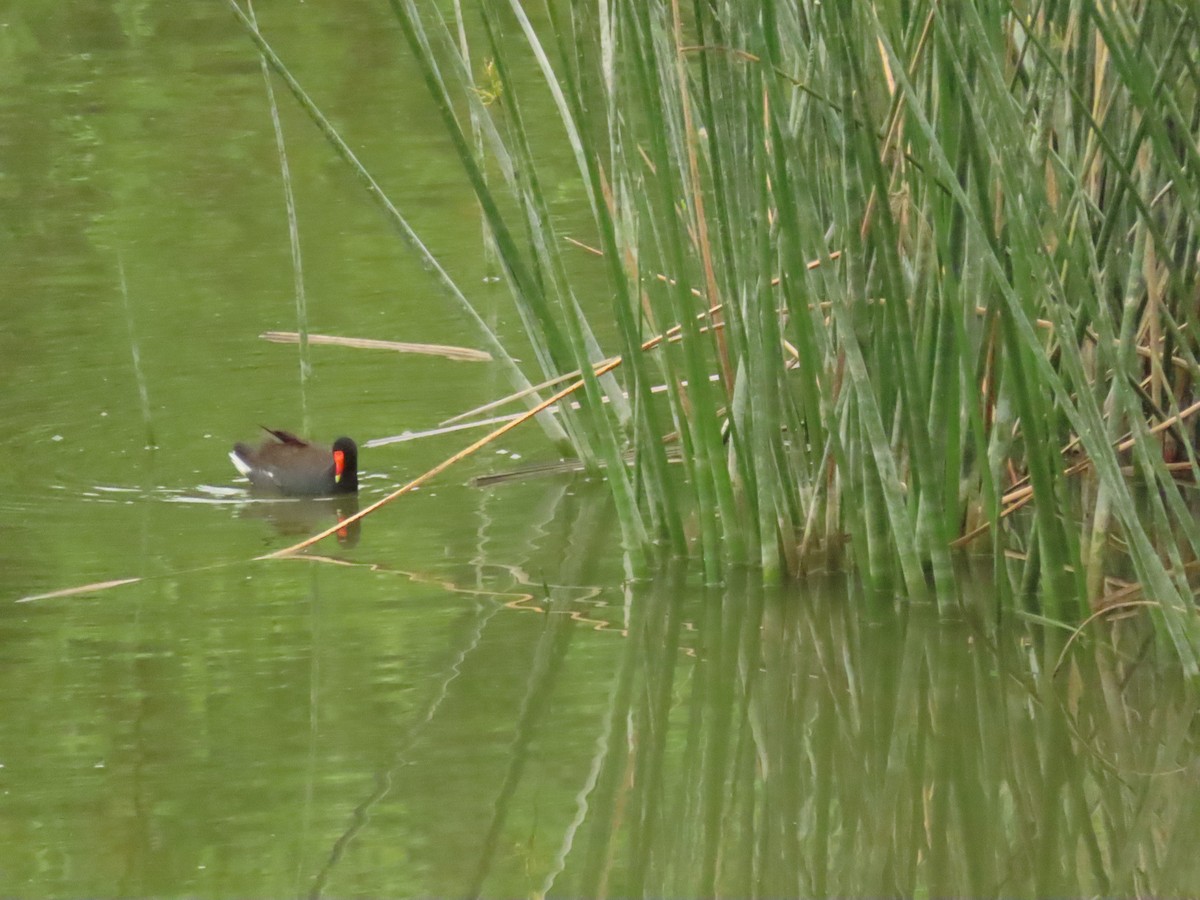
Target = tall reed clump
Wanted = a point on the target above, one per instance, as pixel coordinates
(938, 257)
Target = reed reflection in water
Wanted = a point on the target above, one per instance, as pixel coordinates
(757, 744)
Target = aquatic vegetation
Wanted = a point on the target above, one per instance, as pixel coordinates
(940, 258)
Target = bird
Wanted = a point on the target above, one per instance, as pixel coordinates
(292, 466)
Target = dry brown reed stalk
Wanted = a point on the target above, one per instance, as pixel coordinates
(1105, 610)
(82, 589)
(512, 398)
(1021, 493)
(461, 354)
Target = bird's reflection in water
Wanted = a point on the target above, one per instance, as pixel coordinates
(300, 517)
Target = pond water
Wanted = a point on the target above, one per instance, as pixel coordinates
(465, 696)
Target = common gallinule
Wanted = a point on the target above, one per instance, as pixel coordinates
(293, 466)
